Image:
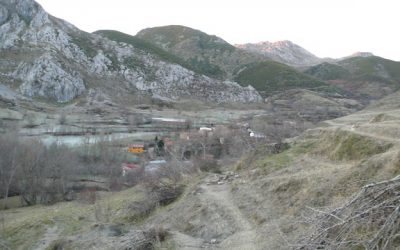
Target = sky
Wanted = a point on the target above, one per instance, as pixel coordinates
(326, 28)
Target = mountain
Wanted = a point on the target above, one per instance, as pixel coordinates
(205, 53)
(217, 58)
(358, 54)
(328, 71)
(285, 52)
(368, 77)
(269, 77)
(45, 57)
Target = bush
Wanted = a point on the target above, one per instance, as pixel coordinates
(62, 120)
(41, 174)
(157, 234)
(207, 165)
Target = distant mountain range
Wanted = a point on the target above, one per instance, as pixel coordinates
(367, 77)
(45, 57)
(42, 56)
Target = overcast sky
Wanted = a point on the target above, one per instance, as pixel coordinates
(327, 28)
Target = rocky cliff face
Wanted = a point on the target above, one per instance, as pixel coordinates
(48, 57)
(283, 51)
(46, 78)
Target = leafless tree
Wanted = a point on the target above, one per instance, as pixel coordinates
(32, 175)
(8, 162)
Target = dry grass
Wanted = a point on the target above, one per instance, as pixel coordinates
(342, 145)
(23, 227)
(320, 171)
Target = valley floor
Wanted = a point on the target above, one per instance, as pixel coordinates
(264, 201)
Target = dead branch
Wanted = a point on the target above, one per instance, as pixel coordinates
(371, 219)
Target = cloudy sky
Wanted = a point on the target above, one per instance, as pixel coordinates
(327, 28)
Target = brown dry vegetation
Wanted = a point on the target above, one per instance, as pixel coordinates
(320, 171)
(94, 220)
(284, 197)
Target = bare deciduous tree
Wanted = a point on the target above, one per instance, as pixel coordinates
(8, 163)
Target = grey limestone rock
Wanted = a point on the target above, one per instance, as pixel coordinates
(62, 62)
(48, 79)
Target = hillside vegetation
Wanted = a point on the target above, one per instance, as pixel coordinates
(367, 78)
(173, 35)
(142, 45)
(328, 71)
(269, 77)
(205, 53)
(214, 57)
(296, 190)
(276, 197)
(373, 66)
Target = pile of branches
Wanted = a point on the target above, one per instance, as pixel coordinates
(370, 220)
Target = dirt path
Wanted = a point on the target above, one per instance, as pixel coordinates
(353, 128)
(245, 237)
(49, 237)
(219, 195)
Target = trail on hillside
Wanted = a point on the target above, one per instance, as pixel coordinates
(354, 129)
(245, 237)
(219, 195)
(51, 234)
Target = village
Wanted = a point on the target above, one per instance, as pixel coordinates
(185, 145)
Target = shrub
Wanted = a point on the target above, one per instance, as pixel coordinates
(157, 234)
(207, 165)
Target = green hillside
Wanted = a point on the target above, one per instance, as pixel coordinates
(269, 77)
(372, 66)
(207, 54)
(195, 47)
(172, 35)
(328, 71)
(142, 45)
(367, 78)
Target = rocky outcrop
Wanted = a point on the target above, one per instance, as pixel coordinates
(57, 61)
(175, 82)
(3, 15)
(43, 77)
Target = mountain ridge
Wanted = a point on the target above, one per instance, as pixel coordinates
(283, 51)
(367, 76)
(235, 63)
(61, 62)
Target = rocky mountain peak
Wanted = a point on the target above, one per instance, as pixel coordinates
(283, 51)
(27, 10)
(361, 54)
